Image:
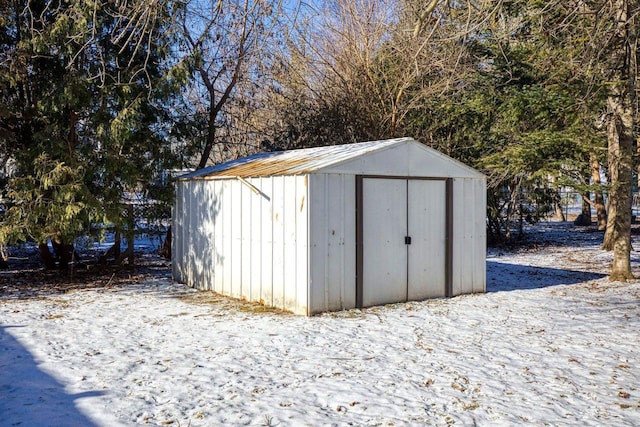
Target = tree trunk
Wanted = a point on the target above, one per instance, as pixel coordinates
(620, 165)
(559, 213)
(601, 211)
(3, 258)
(211, 136)
(620, 136)
(117, 244)
(584, 219)
(64, 253)
(45, 255)
(166, 247)
(607, 241)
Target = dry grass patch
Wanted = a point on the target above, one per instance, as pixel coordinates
(228, 303)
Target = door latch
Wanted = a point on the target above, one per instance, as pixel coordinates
(407, 240)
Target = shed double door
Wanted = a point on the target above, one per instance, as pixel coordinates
(403, 240)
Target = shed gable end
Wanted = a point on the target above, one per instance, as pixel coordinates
(409, 158)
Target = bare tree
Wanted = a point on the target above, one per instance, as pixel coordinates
(366, 65)
(223, 43)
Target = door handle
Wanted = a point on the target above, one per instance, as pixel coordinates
(407, 240)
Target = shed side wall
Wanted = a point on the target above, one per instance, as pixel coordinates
(266, 242)
(275, 242)
(190, 228)
(332, 222)
(177, 222)
(242, 243)
(469, 236)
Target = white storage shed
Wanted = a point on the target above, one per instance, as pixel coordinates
(332, 228)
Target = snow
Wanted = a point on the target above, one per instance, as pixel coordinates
(551, 343)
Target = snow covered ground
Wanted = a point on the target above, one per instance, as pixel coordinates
(551, 343)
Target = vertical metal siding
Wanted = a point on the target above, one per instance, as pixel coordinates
(384, 224)
(246, 245)
(255, 244)
(426, 224)
(290, 217)
(286, 261)
(334, 222)
(460, 205)
(246, 226)
(469, 236)
(468, 254)
(317, 243)
(302, 244)
(184, 242)
(235, 235)
(278, 241)
(227, 237)
(266, 243)
(293, 245)
(480, 236)
(218, 235)
(191, 239)
(176, 234)
(331, 242)
(349, 236)
(206, 223)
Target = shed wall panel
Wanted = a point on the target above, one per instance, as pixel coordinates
(480, 236)
(196, 236)
(290, 240)
(426, 162)
(302, 246)
(384, 227)
(410, 159)
(246, 226)
(466, 230)
(184, 203)
(289, 291)
(235, 214)
(227, 219)
(186, 245)
(255, 244)
(206, 232)
(192, 238)
(337, 217)
(427, 227)
(266, 242)
(459, 208)
(218, 236)
(181, 224)
(184, 254)
(349, 246)
(176, 231)
(278, 241)
(245, 239)
(469, 241)
(332, 223)
(318, 298)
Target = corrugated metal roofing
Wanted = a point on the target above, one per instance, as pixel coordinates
(291, 162)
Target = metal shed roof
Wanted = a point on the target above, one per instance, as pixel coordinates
(303, 161)
(291, 162)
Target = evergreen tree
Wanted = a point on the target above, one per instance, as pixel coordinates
(83, 86)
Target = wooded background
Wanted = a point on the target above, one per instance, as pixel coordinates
(100, 98)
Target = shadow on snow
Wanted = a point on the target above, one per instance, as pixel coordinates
(31, 397)
(510, 277)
